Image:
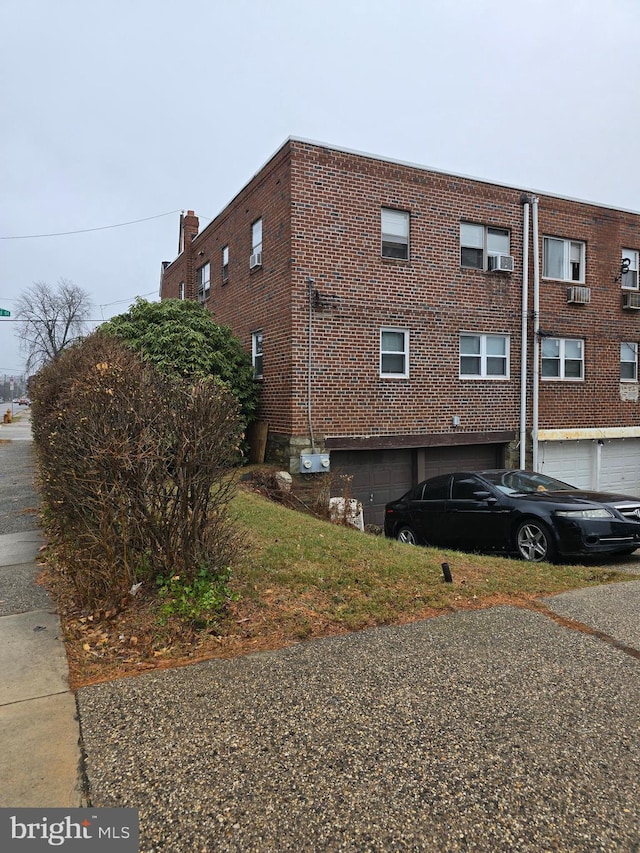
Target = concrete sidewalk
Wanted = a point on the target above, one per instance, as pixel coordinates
(40, 758)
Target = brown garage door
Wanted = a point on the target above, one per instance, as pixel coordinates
(380, 476)
(469, 457)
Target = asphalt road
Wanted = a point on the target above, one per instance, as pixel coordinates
(499, 730)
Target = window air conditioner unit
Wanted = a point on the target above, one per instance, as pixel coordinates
(255, 260)
(500, 263)
(579, 295)
(631, 300)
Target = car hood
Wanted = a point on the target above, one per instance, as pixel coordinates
(599, 497)
(559, 499)
(573, 498)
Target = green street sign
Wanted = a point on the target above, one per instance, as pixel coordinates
(4, 312)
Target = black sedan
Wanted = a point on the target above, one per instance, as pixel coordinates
(517, 512)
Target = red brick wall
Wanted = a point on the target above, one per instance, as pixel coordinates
(321, 218)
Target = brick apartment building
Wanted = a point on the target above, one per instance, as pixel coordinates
(386, 305)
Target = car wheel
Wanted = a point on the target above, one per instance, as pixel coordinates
(534, 542)
(405, 534)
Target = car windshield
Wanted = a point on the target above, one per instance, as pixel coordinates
(524, 482)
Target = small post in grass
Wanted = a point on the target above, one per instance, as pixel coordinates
(446, 571)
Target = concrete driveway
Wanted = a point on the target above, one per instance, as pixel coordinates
(497, 730)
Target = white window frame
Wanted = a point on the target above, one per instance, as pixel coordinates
(257, 353)
(203, 278)
(404, 352)
(484, 355)
(569, 247)
(629, 357)
(629, 278)
(256, 236)
(485, 242)
(395, 226)
(225, 264)
(562, 360)
(181, 290)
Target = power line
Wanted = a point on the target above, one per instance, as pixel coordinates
(86, 230)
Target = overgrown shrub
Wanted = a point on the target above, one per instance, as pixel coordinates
(181, 337)
(135, 468)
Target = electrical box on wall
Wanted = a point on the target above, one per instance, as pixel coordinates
(314, 463)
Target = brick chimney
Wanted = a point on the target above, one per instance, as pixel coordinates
(189, 226)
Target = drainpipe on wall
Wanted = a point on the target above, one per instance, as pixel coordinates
(525, 201)
(310, 284)
(536, 335)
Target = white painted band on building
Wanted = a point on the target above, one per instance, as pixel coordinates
(588, 433)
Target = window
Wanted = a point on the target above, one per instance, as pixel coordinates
(394, 353)
(563, 259)
(629, 269)
(256, 237)
(464, 488)
(203, 278)
(562, 358)
(395, 234)
(256, 354)
(478, 241)
(436, 489)
(181, 290)
(484, 356)
(628, 362)
(225, 264)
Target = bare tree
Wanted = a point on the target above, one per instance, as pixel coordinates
(51, 318)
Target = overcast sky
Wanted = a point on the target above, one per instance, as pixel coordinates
(121, 110)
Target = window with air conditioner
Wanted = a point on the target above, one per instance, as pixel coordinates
(628, 362)
(395, 233)
(203, 280)
(394, 353)
(483, 247)
(256, 244)
(629, 269)
(484, 356)
(563, 260)
(562, 358)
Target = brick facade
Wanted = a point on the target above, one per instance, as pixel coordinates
(321, 210)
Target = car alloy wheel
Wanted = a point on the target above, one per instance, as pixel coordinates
(406, 535)
(534, 542)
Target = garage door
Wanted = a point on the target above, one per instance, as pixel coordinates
(576, 462)
(470, 457)
(570, 461)
(380, 476)
(620, 466)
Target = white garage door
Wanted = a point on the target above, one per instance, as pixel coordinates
(570, 461)
(576, 462)
(620, 466)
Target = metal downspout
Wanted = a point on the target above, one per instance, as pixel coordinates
(524, 333)
(310, 284)
(536, 335)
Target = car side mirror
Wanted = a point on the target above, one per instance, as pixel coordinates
(485, 496)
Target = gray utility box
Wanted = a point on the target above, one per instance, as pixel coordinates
(314, 463)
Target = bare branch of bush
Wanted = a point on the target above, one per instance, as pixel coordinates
(135, 468)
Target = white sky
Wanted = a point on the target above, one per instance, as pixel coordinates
(118, 110)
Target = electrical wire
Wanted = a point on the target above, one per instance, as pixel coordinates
(87, 230)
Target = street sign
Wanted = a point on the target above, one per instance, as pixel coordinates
(4, 312)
